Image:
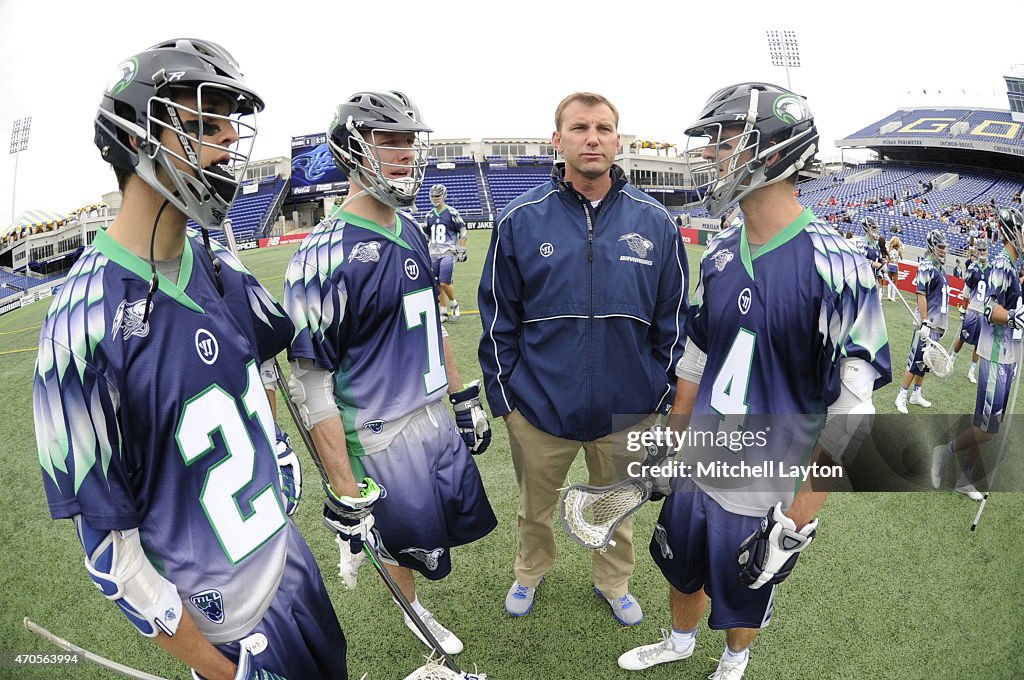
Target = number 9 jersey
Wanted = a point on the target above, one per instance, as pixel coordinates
(161, 422)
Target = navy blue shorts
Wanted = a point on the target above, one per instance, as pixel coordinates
(695, 544)
(444, 268)
(432, 497)
(994, 382)
(299, 636)
(971, 327)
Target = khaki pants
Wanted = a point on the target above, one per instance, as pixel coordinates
(542, 463)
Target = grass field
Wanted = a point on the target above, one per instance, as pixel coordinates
(895, 586)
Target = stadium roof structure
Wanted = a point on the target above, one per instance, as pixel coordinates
(963, 128)
(31, 222)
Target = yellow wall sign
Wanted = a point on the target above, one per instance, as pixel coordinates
(1002, 129)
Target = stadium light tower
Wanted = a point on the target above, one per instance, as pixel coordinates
(19, 142)
(784, 50)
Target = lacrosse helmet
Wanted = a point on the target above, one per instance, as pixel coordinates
(1011, 228)
(983, 253)
(936, 242)
(352, 140)
(768, 120)
(870, 225)
(139, 103)
(438, 194)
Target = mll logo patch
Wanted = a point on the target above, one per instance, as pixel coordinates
(210, 603)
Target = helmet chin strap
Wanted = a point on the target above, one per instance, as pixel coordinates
(154, 282)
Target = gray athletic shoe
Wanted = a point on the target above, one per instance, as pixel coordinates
(519, 600)
(626, 609)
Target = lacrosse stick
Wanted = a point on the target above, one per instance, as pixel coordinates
(1006, 438)
(935, 356)
(591, 514)
(368, 548)
(91, 657)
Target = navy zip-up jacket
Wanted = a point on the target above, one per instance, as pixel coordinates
(584, 310)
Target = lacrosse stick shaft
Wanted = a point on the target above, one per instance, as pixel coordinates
(87, 655)
(1002, 445)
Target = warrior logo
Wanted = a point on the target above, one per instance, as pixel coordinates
(427, 557)
(637, 243)
(128, 319)
(210, 603)
(661, 537)
(206, 346)
(744, 300)
(546, 250)
(365, 252)
(722, 258)
(412, 270)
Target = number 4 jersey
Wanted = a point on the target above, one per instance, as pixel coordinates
(775, 324)
(161, 422)
(363, 301)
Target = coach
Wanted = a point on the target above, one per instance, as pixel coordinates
(583, 305)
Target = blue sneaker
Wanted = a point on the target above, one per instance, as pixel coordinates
(625, 609)
(519, 600)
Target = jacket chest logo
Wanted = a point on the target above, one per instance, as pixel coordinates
(546, 250)
(640, 246)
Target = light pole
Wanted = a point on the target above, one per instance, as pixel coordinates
(784, 51)
(19, 142)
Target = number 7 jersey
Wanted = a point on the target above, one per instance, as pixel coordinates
(364, 304)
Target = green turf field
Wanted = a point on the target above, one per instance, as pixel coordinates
(895, 585)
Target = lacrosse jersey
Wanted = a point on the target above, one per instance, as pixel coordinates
(996, 343)
(443, 230)
(775, 324)
(162, 423)
(975, 285)
(364, 305)
(931, 282)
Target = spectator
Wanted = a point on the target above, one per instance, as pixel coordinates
(957, 271)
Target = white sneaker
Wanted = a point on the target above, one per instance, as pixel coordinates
(940, 454)
(901, 403)
(730, 671)
(448, 640)
(918, 399)
(970, 375)
(444, 317)
(964, 486)
(639, 658)
(454, 313)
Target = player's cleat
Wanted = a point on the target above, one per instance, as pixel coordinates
(454, 313)
(971, 375)
(940, 454)
(964, 486)
(519, 600)
(625, 609)
(901, 403)
(917, 399)
(444, 317)
(639, 658)
(448, 640)
(730, 671)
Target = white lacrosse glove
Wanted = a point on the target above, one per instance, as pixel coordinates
(289, 472)
(460, 254)
(349, 563)
(350, 517)
(769, 554)
(470, 418)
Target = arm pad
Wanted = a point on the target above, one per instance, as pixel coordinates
(850, 415)
(312, 391)
(690, 366)
(120, 569)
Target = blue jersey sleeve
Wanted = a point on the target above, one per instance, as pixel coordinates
(1003, 285)
(697, 327)
(925, 279)
(316, 305)
(78, 438)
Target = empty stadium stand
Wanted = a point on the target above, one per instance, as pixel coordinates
(251, 212)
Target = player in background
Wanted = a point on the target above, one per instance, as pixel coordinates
(155, 433)
(932, 315)
(372, 365)
(870, 249)
(975, 291)
(446, 232)
(755, 317)
(895, 248)
(999, 345)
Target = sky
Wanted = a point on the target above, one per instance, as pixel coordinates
(479, 69)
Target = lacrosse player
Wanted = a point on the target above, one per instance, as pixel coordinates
(932, 315)
(446, 232)
(583, 304)
(999, 344)
(976, 292)
(155, 433)
(769, 335)
(371, 363)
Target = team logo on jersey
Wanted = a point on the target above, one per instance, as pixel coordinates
(661, 537)
(365, 252)
(128, 319)
(206, 346)
(546, 250)
(412, 270)
(637, 243)
(210, 603)
(427, 557)
(722, 258)
(790, 108)
(744, 300)
(374, 426)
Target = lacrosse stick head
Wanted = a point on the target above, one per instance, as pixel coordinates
(434, 669)
(937, 359)
(591, 514)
